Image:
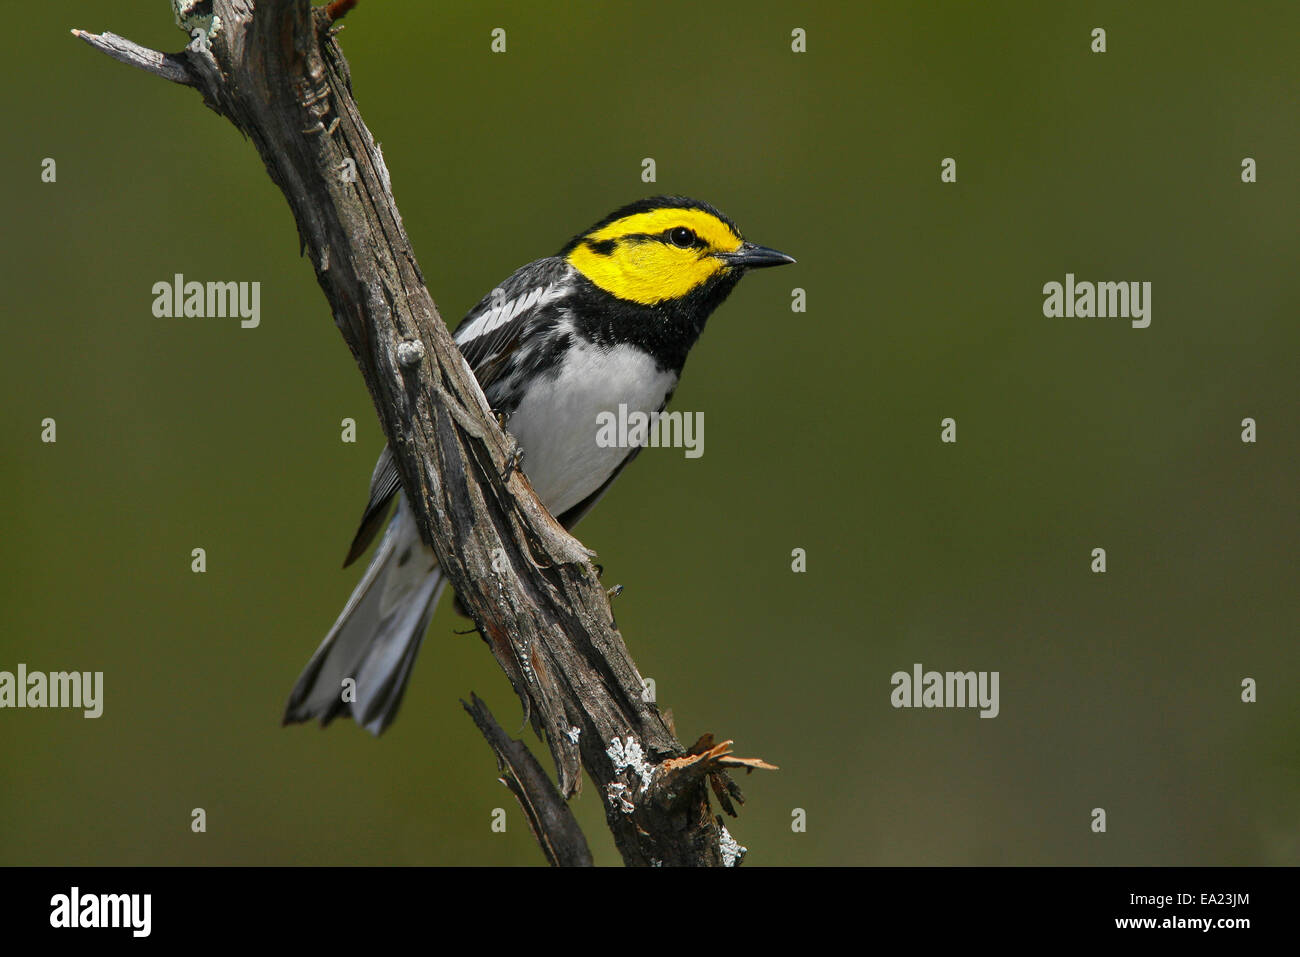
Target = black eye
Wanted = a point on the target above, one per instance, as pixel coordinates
(681, 236)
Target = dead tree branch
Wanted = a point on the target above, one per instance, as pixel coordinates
(273, 68)
(549, 817)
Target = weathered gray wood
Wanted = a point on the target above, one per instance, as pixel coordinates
(165, 65)
(273, 69)
(548, 815)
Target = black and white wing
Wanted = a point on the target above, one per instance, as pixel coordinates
(489, 337)
(522, 307)
(384, 484)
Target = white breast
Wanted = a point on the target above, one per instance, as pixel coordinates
(556, 421)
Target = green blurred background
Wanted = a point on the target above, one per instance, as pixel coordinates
(822, 430)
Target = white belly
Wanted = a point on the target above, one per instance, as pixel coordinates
(556, 422)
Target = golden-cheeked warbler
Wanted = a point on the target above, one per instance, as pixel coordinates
(606, 323)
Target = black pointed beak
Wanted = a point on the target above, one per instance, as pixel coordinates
(751, 256)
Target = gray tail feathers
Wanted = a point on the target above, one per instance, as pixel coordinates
(377, 636)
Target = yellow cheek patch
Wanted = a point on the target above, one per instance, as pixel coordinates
(647, 271)
(622, 258)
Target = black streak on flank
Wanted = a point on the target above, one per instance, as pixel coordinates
(601, 247)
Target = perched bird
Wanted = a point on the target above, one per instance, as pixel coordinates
(608, 321)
